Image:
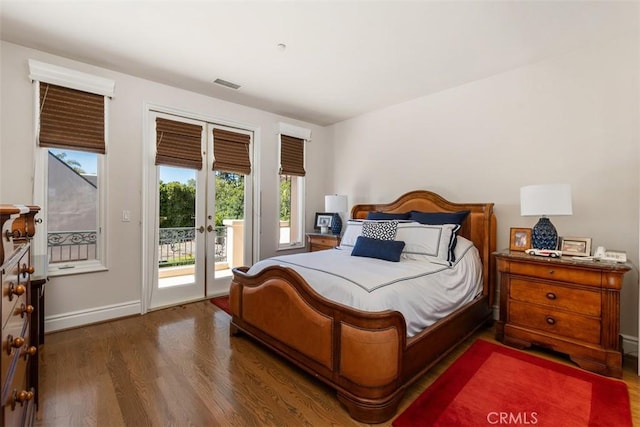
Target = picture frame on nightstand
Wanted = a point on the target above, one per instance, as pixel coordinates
(575, 246)
(520, 239)
(323, 219)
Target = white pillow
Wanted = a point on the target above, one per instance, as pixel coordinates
(351, 233)
(432, 242)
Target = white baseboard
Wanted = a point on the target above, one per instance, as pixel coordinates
(86, 317)
(629, 345)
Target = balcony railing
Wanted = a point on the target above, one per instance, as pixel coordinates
(176, 246)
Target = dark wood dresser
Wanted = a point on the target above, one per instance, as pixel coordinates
(564, 304)
(19, 345)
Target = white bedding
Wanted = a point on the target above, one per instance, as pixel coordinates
(422, 291)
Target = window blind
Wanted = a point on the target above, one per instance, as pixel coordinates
(71, 118)
(231, 152)
(291, 156)
(178, 144)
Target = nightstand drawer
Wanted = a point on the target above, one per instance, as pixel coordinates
(556, 272)
(329, 242)
(559, 297)
(586, 329)
(321, 242)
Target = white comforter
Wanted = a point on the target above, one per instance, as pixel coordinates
(422, 291)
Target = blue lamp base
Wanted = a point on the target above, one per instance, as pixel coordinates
(544, 235)
(336, 224)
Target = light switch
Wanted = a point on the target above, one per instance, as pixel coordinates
(126, 216)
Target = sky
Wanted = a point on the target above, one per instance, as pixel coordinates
(88, 162)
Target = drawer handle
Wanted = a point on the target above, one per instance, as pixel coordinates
(551, 295)
(21, 397)
(25, 309)
(12, 343)
(16, 290)
(30, 351)
(551, 272)
(550, 320)
(16, 234)
(26, 269)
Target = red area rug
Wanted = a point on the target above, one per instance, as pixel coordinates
(223, 303)
(495, 385)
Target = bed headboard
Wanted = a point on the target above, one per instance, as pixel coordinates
(479, 226)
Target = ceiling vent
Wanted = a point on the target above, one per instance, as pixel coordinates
(226, 84)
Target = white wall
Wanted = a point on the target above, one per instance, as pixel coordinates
(71, 300)
(569, 119)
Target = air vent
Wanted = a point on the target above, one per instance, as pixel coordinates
(226, 84)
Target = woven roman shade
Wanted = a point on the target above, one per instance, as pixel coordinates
(71, 118)
(178, 144)
(291, 156)
(231, 152)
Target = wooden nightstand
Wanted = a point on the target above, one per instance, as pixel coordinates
(320, 242)
(564, 304)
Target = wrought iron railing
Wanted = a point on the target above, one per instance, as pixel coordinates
(65, 246)
(176, 246)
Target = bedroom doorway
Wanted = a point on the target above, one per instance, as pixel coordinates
(201, 189)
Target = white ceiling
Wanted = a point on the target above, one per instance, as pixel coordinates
(343, 58)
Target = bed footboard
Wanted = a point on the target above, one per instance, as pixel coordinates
(359, 354)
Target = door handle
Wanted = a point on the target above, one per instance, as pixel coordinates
(201, 229)
(209, 228)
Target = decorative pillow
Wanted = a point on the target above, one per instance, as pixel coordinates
(435, 243)
(351, 233)
(387, 216)
(388, 250)
(439, 218)
(381, 230)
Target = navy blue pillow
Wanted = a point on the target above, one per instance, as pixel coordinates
(388, 250)
(439, 218)
(387, 216)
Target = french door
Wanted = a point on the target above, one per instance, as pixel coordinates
(198, 220)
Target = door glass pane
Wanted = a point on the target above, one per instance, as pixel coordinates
(177, 232)
(72, 206)
(229, 226)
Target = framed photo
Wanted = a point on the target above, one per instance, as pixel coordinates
(520, 239)
(323, 219)
(575, 246)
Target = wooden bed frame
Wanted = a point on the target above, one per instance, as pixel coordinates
(365, 356)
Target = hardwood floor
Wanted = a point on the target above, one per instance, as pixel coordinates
(179, 367)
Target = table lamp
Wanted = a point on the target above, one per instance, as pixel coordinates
(545, 200)
(336, 204)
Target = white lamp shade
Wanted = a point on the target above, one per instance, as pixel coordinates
(546, 200)
(335, 203)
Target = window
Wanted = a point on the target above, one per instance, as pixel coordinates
(73, 231)
(71, 138)
(291, 191)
